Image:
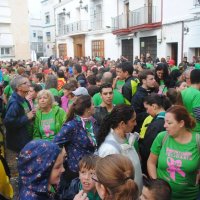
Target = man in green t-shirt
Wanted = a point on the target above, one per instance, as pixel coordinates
(117, 96)
(106, 106)
(118, 82)
(191, 97)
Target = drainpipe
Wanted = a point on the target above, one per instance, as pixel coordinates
(55, 32)
(182, 40)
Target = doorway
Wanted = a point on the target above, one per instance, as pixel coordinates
(62, 49)
(79, 50)
(127, 49)
(79, 45)
(174, 51)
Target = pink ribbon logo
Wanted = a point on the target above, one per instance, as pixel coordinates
(174, 167)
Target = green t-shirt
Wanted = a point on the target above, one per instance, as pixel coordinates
(191, 101)
(61, 93)
(117, 98)
(149, 66)
(91, 195)
(119, 85)
(54, 92)
(162, 88)
(178, 165)
(8, 91)
(174, 68)
(6, 78)
(197, 66)
(47, 128)
(29, 126)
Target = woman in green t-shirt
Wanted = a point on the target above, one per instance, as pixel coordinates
(175, 155)
(162, 78)
(49, 117)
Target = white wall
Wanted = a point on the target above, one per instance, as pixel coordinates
(176, 10)
(110, 45)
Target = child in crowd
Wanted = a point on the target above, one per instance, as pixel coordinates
(155, 189)
(67, 98)
(86, 170)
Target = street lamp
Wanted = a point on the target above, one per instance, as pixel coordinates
(64, 12)
(83, 7)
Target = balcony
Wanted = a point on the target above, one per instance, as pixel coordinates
(144, 18)
(144, 15)
(119, 22)
(96, 21)
(196, 3)
(73, 28)
(5, 19)
(37, 47)
(196, 7)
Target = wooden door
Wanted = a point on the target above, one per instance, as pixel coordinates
(62, 48)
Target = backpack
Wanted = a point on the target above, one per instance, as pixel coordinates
(129, 151)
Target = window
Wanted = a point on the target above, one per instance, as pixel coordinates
(196, 2)
(40, 38)
(97, 48)
(34, 34)
(197, 52)
(47, 18)
(48, 36)
(6, 51)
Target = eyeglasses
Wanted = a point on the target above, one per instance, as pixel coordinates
(94, 178)
(25, 83)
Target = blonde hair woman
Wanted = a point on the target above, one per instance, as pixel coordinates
(49, 116)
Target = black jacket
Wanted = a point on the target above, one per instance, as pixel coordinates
(137, 103)
(73, 189)
(99, 114)
(154, 128)
(129, 89)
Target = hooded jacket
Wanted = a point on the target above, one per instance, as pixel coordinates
(77, 144)
(16, 123)
(59, 116)
(35, 164)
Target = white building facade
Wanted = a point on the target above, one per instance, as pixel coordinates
(161, 28)
(14, 30)
(36, 30)
(48, 24)
(111, 28)
(83, 28)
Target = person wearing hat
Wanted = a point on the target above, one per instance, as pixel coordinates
(172, 65)
(80, 91)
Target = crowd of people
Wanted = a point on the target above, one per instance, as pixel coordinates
(91, 129)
